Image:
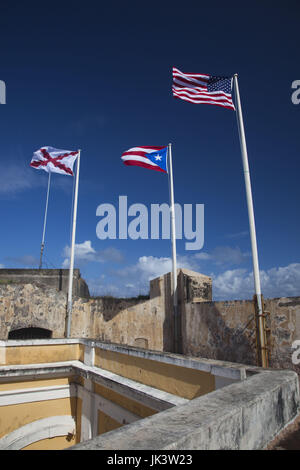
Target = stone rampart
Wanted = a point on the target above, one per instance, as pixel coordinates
(217, 330)
(57, 278)
(226, 330)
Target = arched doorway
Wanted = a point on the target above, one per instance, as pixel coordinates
(30, 333)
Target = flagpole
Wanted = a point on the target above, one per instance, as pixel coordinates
(174, 263)
(69, 305)
(251, 221)
(45, 220)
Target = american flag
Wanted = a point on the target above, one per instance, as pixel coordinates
(153, 158)
(202, 88)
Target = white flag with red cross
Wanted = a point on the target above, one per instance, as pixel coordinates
(54, 160)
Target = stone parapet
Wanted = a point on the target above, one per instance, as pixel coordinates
(57, 278)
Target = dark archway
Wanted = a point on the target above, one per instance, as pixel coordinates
(30, 333)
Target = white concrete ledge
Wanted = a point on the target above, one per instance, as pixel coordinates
(219, 368)
(213, 366)
(241, 416)
(39, 342)
(152, 397)
(30, 395)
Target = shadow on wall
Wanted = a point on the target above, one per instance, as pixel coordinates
(30, 333)
(150, 323)
(111, 306)
(227, 331)
(208, 331)
(168, 323)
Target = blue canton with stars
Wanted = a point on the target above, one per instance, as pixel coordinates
(159, 158)
(219, 84)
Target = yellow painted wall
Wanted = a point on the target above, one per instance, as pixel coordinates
(14, 416)
(180, 381)
(41, 354)
(187, 383)
(106, 423)
(36, 384)
(127, 403)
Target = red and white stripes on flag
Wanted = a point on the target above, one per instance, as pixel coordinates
(137, 156)
(54, 160)
(202, 88)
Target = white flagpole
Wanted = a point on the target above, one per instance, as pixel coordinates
(174, 263)
(251, 220)
(69, 306)
(45, 220)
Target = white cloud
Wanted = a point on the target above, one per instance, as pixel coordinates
(282, 281)
(232, 283)
(85, 253)
(16, 177)
(229, 255)
(202, 256)
(150, 267)
(275, 282)
(134, 280)
(229, 285)
(238, 234)
(82, 250)
(222, 255)
(2, 266)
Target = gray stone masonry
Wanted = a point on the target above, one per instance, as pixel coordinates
(57, 278)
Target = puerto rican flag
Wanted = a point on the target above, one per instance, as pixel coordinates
(153, 158)
(54, 160)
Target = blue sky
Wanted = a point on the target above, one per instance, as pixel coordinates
(97, 77)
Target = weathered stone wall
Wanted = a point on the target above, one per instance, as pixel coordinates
(57, 278)
(226, 330)
(217, 330)
(32, 305)
(220, 330)
(137, 325)
(285, 329)
(148, 324)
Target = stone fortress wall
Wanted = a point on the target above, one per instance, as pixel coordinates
(57, 278)
(214, 330)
